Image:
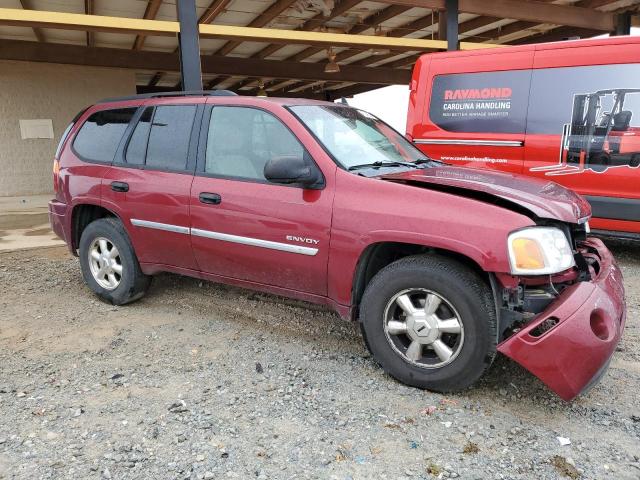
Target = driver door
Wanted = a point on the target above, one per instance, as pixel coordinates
(244, 227)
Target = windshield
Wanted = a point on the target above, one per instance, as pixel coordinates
(356, 138)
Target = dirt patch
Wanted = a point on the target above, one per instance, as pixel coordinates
(23, 221)
(564, 468)
(37, 232)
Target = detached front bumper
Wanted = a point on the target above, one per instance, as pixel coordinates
(568, 346)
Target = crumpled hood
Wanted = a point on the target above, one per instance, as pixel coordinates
(543, 198)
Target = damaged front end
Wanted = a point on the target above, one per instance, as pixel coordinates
(564, 328)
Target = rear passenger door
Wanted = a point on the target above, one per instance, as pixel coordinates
(243, 226)
(150, 181)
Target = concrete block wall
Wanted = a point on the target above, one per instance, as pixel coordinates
(30, 90)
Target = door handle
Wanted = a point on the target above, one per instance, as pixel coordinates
(119, 186)
(210, 198)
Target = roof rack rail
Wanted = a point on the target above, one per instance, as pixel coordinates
(190, 93)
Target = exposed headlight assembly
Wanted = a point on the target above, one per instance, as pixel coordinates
(539, 251)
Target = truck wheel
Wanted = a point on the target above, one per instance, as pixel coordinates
(109, 264)
(430, 322)
(635, 160)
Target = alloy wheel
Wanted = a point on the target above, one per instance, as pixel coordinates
(424, 328)
(105, 263)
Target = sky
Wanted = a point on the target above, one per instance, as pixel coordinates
(391, 103)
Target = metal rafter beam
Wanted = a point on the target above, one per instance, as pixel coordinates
(529, 10)
(371, 21)
(243, 83)
(26, 5)
(73, 21)
(314, 22)
(214, 10)
(281, 85)
(520, 26)
(211, 64)
(421, 23)
(155, 79)
(324, 40)
(149, 14)
(215, 81)
(260, 21)
(556, 35)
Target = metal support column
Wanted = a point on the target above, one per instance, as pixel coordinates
(189, 45)
(452, 24)
(623, 24)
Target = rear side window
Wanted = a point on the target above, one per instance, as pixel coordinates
(161, 137)
(169, 137)
(488, 102)
(137, 149)
(100, 135)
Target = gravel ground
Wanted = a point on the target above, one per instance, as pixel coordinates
(204, 381)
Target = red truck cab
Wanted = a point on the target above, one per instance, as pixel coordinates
(442, 266)
(567, 112)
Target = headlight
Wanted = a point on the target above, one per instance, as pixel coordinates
(539, 251)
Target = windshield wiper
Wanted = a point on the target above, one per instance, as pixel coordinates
(379, 164)
(422, 161)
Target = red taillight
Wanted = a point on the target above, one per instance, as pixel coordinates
(56, 174)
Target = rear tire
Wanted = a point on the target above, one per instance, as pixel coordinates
(109, 264)
(441, 293)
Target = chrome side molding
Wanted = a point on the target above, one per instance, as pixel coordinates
(484, 143)
(160, 226)
(255, 242)
(225, 237)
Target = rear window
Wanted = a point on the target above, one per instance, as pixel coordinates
(100, 135)
(62, 140)
(481, 102)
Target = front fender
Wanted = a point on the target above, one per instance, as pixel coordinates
(346, 255)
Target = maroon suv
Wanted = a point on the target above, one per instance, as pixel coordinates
(442, 266)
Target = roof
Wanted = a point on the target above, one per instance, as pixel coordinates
(621, 40)
(218, 94)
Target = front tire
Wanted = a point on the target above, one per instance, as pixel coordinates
(430, 322)
(109, 264)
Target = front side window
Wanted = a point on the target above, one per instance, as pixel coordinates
(169, 137)
(242, 140)
(487, 102)
(354, 137)
(100, 135)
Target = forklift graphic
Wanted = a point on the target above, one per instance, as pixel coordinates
(597, 139)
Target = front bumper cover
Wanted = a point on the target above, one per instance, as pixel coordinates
(583, 326)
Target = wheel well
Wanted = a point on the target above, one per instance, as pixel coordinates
(82, 216)
(379, 255)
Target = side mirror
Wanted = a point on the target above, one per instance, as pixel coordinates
(291, 169)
